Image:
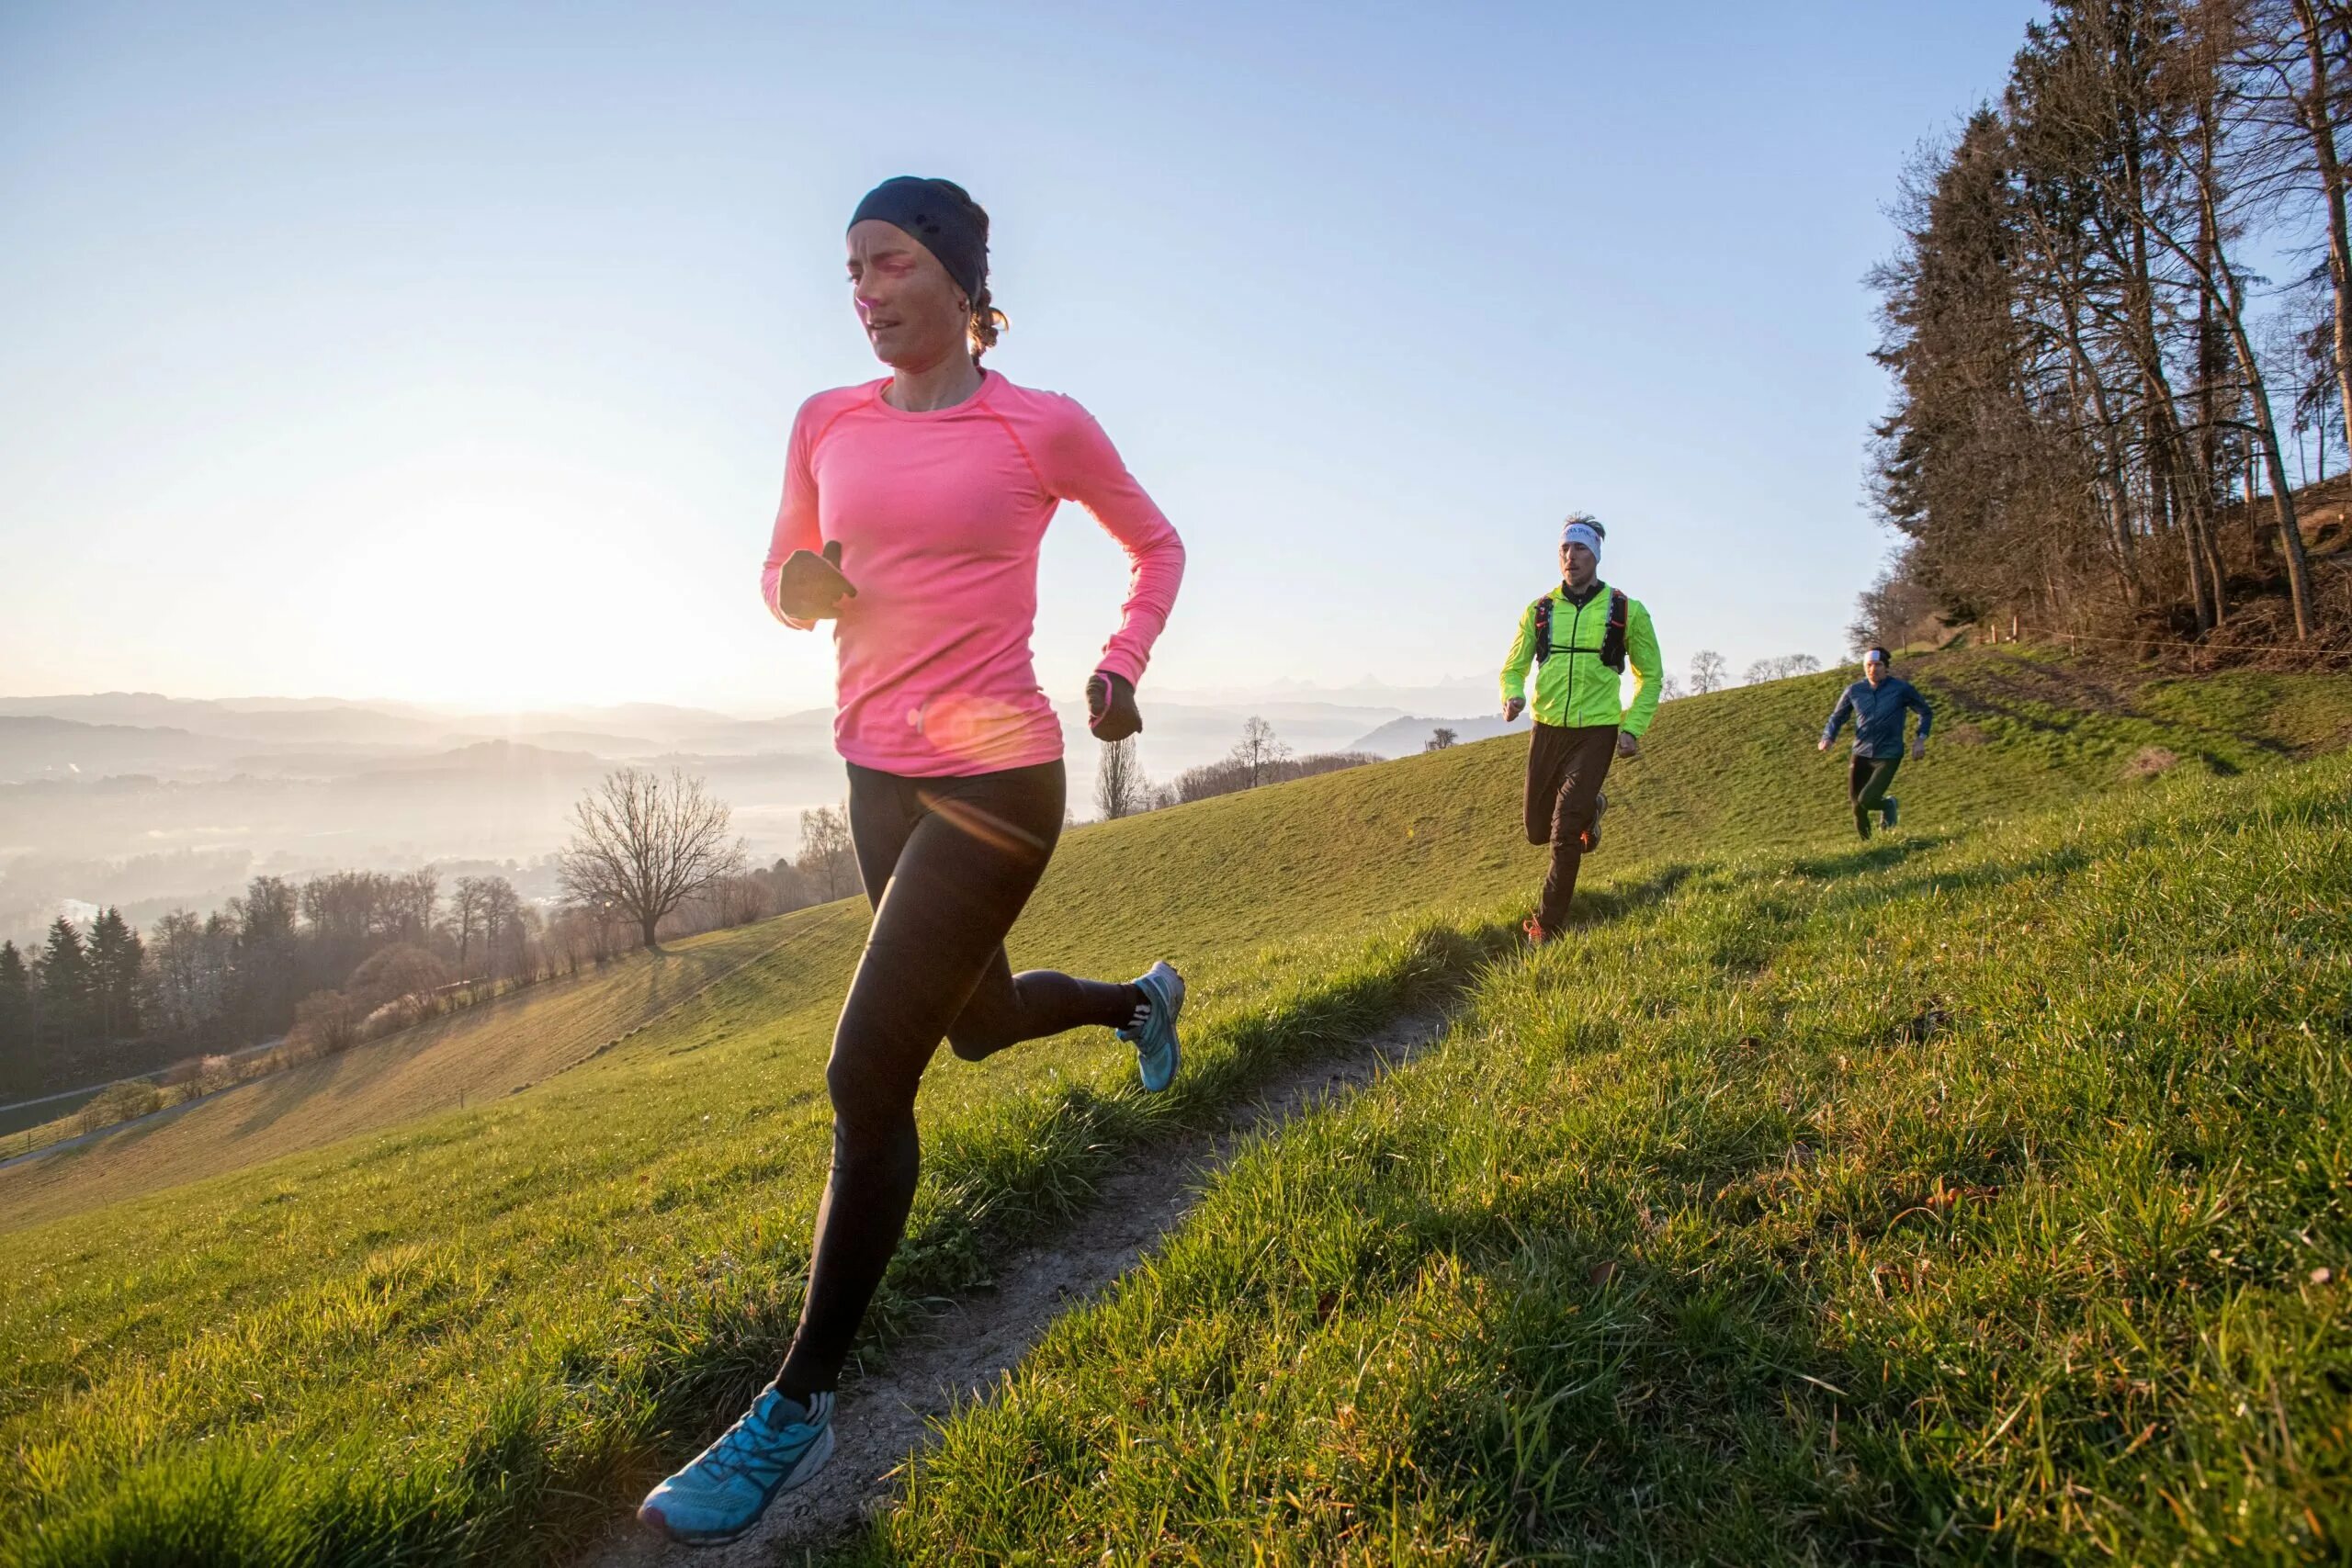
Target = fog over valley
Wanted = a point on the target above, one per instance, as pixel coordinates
(150, 801)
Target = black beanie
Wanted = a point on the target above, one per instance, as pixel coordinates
(941, 218)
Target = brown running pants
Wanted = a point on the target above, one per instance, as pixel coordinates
(1566, 768)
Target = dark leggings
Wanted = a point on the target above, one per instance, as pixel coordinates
(1566, 768)
(948, 864)
(1867, 782)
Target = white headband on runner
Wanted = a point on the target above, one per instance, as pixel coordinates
(1583, 534)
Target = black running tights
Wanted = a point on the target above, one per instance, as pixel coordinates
(1867, 781)
(948, 864)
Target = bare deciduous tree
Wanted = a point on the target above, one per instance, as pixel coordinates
(1708, 672)
(408, 910)
(466, 910)
(1120, 788)
(1781, 667)
(502, 927)
(643, 843)
(1257, 751)
(828, 859)
(1440, 738)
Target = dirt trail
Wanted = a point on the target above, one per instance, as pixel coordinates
(961, 1353)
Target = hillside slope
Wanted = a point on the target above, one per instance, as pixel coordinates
(1975, 1198)
(1326, 858)
(477, 1053)
(473, 1331)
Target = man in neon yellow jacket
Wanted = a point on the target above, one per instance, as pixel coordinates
(1580, 636)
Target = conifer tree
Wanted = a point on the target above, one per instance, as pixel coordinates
(65, 985)
(15, 1002)
(115, 955)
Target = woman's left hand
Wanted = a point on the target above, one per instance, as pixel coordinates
(1111, 707)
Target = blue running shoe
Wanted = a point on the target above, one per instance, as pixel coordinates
(1156, 1051)
(1886, 812)
(723, 1491)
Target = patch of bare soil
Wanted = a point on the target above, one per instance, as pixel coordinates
(2149, 761)
(961, 1354)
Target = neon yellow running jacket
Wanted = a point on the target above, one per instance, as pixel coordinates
(1573, 687)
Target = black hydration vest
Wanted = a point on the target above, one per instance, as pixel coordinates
(1613, 640)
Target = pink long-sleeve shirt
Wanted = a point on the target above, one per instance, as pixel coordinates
(940, 516)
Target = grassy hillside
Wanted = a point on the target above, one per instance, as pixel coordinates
(1979, 1199)
(478, 1331)
(477, 1053)
(1326, 858)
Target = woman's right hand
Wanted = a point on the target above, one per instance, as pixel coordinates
(810, 587)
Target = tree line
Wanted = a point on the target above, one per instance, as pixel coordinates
(1260, 757)
(2095, 388)
(331, 959)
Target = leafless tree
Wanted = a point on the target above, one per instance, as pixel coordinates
(409, 907)
(785, 888)
(1781, 667)
(572, 936)
(644, 843)
(1440, 738)
(1708, 672)
(828, 859)
(1231, 774)
(503, 928)
(2323, 29)
(189, 969)
(1120, 788)
(729, 901)
(465, 916)
(1893, 611)
(1257, 751)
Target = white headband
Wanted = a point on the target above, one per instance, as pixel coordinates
(1583, 534)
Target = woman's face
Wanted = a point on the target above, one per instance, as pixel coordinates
(913, 313)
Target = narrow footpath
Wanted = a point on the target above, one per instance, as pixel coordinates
(961, 1354)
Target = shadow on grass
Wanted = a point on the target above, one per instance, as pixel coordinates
(1877, 855)
(1011, 1178)
(1599, 905)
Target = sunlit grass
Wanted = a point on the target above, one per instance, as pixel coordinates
(479, 1334)
(1977, 1200)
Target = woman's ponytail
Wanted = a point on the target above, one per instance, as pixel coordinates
(987, 321)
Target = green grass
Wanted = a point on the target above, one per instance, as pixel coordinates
(480, 1333)
(1334, 857)
(480, 1053)
(1978, 1200)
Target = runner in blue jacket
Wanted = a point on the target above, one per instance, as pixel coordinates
(1877, 702)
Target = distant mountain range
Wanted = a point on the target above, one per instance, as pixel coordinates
(149, 800)
(1403, 736)
(176, 738)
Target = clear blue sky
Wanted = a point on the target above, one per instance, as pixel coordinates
(450, 352)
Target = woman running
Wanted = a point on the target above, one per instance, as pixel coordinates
(913, 509)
